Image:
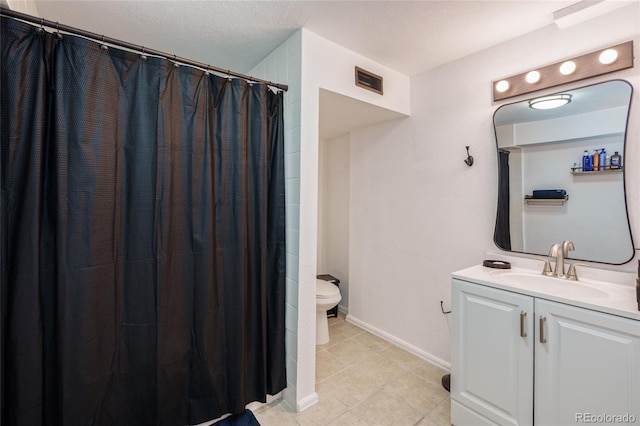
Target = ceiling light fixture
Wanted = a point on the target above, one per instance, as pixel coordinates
(550, 102)
(583, 11)
(599, 62)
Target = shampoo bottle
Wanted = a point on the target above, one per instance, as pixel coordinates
(603, 159)
(586, 161)
(596, 160)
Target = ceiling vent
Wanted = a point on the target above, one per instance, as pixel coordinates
(368, 80)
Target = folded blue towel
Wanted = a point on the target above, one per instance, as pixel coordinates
(549, 193)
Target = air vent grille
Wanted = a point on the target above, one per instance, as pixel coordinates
(368, 80)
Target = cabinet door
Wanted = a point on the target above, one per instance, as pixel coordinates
(589, 366)
(492, 355)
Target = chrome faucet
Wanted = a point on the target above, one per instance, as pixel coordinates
(560, 252)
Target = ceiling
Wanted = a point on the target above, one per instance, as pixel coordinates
(408, 36)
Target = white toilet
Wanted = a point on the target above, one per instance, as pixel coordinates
(327, 296)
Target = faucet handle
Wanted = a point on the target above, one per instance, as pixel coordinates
(572, 275)
(546, 269)
(553, 250)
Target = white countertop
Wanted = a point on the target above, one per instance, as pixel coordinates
(615, 292)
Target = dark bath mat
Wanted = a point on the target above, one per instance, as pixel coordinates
(246, 418)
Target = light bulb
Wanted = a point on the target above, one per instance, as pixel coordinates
(532, 77)
(567, 68)
(502, 86)
(608, 56)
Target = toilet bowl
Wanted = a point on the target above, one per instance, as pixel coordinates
(327, 296)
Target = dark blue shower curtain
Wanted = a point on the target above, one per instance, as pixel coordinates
(502, 232)
(142, 237)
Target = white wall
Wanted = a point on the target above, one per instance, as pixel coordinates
(23, 6)
(418, 212)
(333, 213)
(326, 65)
(308, 63)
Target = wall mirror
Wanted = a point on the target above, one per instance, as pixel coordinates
(545, 196)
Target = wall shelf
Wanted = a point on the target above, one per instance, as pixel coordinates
(545, 201)
(578, 171)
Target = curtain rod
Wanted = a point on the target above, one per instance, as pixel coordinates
(142, 49)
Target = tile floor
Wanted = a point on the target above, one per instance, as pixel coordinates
(364, 380)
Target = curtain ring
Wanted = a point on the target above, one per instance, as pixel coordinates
(103, 46)
(208, 69)
(58, 35)
(175, 61)
(143, 56)
(40, 30)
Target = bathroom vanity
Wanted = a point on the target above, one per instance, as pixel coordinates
(528, 349)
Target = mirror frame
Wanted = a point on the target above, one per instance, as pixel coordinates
(624, 172)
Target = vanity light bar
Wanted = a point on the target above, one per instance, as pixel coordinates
(603, 61)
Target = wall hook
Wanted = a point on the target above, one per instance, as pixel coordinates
(469, 160)
(442, 308)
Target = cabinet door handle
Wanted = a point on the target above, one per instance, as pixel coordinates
(542, 321)
(523, 319)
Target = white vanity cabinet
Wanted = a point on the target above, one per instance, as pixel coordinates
(588, 365)
(524, 360)
(492, 357)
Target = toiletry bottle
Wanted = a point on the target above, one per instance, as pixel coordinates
(616, 161)
(603, 159)
(586, 161)
(596, 160)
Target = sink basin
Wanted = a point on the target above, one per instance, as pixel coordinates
(556, 286)
(600, 290)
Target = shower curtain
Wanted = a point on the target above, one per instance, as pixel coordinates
(142, 237)
(502, 233)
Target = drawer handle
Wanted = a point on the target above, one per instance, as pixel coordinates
(542, 322)
(523, 318)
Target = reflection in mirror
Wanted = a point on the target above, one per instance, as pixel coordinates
(543, 149)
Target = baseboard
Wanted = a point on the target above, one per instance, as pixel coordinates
(343, 310)
(306, 402)
(401, 343)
